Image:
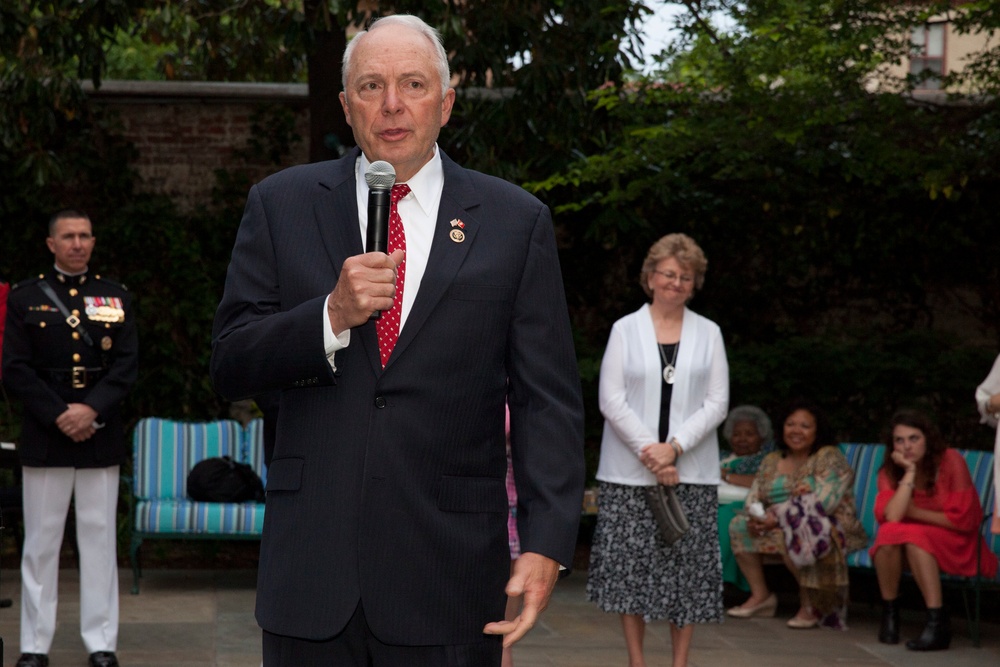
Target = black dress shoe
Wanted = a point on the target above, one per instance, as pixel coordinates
(33, 660)
(103, 659)
(937, 633)
(888, 632)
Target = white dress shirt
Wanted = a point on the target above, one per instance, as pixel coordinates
(418, 211)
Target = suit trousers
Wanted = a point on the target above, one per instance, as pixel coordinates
(47, 494)
(356, 646)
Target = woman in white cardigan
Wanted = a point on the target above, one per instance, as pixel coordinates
(664, 390)
(988, 400)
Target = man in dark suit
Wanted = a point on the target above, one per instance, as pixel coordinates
(70, 352)
(385, 539)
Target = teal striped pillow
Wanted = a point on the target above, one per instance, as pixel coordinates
(165, 451)
(981, 468)
(865, 460)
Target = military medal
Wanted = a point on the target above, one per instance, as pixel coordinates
(104, 308)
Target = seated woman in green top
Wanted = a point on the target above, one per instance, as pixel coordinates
(748, 431)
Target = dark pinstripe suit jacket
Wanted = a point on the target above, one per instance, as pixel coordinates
(387, 486)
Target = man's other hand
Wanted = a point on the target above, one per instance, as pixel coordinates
(534, 578)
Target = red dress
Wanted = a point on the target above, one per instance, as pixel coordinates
(954, 494)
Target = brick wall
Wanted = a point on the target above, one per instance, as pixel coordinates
(184, 131)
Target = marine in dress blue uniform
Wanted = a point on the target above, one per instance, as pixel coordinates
(72, 360)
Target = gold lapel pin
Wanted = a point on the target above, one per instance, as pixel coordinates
(456, 234)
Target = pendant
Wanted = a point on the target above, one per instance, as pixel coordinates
(668, 374)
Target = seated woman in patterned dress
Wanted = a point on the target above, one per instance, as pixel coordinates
(807, 462)
(929, 516)
(750, 436)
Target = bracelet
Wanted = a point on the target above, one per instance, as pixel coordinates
(909, 484)
(676, 446)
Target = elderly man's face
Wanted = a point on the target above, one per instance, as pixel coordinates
(393, 99)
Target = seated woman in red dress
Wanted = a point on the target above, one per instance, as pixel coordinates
(929, 517)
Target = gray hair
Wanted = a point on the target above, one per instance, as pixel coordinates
(408, 21)
(748, 413)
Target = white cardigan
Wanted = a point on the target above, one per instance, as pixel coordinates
(990, 386)
(629, 398)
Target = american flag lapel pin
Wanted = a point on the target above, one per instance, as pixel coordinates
(456, 234)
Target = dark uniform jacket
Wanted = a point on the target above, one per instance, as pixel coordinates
(49, 364)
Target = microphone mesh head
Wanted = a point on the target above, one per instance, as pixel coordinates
(380, 175)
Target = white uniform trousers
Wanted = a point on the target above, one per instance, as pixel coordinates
(47, 493)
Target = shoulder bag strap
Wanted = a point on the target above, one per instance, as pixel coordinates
(72, 320)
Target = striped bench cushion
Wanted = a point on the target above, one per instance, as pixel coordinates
(187, 517)
(865, 460)
(166, 450)
(981, 469)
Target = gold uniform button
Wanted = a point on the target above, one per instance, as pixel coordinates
(73, 292)
(41, 325)
(76, 357)
(76, 336)
(76, 312)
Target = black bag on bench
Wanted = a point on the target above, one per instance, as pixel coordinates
(223, 480)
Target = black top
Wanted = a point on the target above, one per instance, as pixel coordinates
(48, 363)
(666, 390)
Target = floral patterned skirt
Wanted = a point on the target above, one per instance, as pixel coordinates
(632, 570)
(825, 582)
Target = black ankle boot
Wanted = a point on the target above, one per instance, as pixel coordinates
(888, 633)
(936, 635)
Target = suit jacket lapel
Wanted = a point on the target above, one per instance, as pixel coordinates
(336, 215)
(459, 201)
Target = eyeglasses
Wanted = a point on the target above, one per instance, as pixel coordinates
(671, 277)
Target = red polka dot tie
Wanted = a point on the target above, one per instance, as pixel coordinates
(387, 326)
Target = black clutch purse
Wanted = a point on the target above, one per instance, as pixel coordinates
(668, 512)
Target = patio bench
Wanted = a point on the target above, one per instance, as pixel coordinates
(164, 451)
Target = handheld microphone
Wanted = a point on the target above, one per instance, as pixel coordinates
(380, 177)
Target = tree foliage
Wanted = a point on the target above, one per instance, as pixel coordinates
(840, 211)
(59, 150)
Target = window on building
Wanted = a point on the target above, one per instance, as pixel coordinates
(928, 54)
